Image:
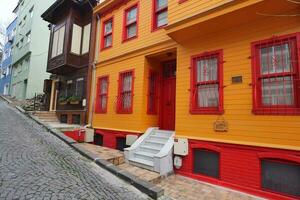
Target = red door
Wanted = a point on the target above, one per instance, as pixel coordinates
(168, 93)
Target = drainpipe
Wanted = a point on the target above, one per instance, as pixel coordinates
(92, 70)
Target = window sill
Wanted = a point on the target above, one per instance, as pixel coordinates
(207, 112)
(158, 28)
(100, 112)
(276, 111)
(124, 112)
(129, 39)
(105, 48)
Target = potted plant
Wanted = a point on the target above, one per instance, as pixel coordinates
(62, 100)
(74, 100)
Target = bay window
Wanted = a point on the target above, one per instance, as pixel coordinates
(58, 41)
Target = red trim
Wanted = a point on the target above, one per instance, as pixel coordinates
(124, 34)
(181, 1)
(98, 102)
(153, 111)
(102, 47)
(258, 107)
(155, 12)
(193, 100)
(239, 166)
(110, 137)
(120, 109)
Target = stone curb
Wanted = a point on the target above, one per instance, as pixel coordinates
(146, 187)
(6, 99)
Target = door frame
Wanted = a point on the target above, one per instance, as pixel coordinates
(161, 80)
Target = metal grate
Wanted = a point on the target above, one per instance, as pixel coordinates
(207, 163)
(280, 176)
(98, 139)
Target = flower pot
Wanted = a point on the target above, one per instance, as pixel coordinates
(63, 103)
(74, 102)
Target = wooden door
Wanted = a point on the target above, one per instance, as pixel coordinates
(168, 95)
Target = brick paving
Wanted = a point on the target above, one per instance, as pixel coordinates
(183, 188)
(36, 165)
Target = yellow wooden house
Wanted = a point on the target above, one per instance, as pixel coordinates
(223, 74)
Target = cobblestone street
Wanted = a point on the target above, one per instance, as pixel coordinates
(36, 165)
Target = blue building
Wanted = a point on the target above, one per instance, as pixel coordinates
(5, 72)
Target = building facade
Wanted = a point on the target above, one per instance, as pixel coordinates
(5, 76)
(68, 58)
(223, 74)
(30, 49)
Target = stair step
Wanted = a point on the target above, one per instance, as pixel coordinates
(163, 132)
(142, 162)
(144, 155)
(159, 137)
(150, 149)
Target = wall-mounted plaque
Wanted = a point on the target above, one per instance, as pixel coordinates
(221, 125)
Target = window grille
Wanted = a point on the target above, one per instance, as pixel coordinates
(125, 97)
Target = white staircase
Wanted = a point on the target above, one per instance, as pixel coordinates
(153, 151)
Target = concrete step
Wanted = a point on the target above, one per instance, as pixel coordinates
(146, 164)
(156, 144)
(144, 155)
(150, 149)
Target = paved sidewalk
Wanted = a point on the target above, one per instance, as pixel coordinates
(34, 164)
(183, 188)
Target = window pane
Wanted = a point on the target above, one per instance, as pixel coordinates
(127, 100)
(103, 102)
(131, 15)
(103, 89)
(108, 27)
(162, 19)
(86, 38)
(76, 39)
(60, 45)
(127, 83)
(207, 69)
(275, 59)
(54, 44)
(208, 95)
(79, 87)
(161, 4)
(131, 31)
(277, 91)
(108, 41)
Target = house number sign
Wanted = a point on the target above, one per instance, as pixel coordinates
(221, 125)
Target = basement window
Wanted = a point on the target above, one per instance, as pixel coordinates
(281, 176)
(121, 143)
(207, 162)
(98, 139)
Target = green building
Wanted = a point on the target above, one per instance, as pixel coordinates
(30, 49)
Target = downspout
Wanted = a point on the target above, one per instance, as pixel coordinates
(95, 52)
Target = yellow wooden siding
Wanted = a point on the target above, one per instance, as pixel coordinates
(244, 127)
(138, 120)
(178, 11)
(145, 38)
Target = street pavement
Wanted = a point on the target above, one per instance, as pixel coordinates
(34, 164)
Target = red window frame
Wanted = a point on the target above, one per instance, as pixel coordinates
(194, 108)
(121, 94)
(155, 13)
(126, 26)
(258, 108)
(104, 35)
(153, 83)
(100, 95)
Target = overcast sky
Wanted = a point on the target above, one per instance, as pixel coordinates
(6, 8)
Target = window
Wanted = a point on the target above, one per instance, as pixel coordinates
(28, 35)
(107, 34)
(101, 106)
(152, 92)
(130, 23)
(76, 119)
(18, 45)
(121, 143)
(276, 76)
(206, 83)
(24, 19)
(207, 162)
(160, 13)
(21, 42)
(58, 41)
(98, 139)
(31, 12)
(281, 176)
(69, 89)
(86, 39)
(76, 39)
(125, 96)
(79, 88)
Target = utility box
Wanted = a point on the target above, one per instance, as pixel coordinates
(130, 139)
(181, 146)
(89, 135)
